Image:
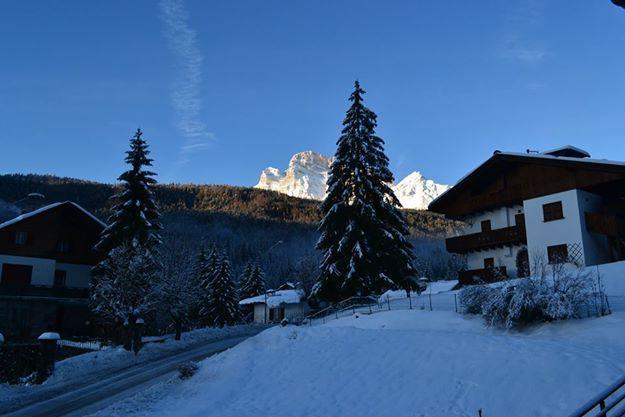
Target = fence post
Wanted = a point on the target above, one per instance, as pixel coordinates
(410, 301)
(47, 346)
(388, 303)
(430, 296)
(455, 303)
(370, 311)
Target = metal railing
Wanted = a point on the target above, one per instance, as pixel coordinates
(608, 403)
(446, 301)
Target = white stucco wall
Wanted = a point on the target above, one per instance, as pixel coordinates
(541, 234)
(43, 269)
(499, 218)
(77, 275)
(502, 256)
(293, 312)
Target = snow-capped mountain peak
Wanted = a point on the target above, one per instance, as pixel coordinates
(307, 174)
(304, 178)
(416, 191)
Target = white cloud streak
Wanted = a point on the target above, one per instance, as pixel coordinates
(518, 43)
(185, 89)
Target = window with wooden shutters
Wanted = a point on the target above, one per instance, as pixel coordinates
(486, 226)
(552, 211)
(557, 254)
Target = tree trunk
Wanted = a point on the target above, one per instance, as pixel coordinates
(178, 326)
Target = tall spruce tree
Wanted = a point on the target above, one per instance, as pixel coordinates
(252, 281)
(135, 217)
(222, 307)
(124, 288)
(363, 233)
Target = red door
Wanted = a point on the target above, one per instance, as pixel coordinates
(13, 274)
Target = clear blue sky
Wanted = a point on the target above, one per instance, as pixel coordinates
(223, 89)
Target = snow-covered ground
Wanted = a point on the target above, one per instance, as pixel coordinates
(92, 364)
(398, 363)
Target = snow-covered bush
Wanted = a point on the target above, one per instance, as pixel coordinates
(187, 370)
(525, 301)
(472, 298)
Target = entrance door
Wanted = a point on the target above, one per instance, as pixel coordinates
(18, 275)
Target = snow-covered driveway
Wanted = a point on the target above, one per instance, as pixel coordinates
(398, 363)
(105, 387)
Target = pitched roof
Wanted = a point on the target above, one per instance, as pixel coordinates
(503, 159)
(47, 208)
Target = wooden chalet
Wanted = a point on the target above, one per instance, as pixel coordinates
(46, 258)
(526, 209)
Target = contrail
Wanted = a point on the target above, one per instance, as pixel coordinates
(182, 41)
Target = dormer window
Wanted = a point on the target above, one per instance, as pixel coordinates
(21, 238)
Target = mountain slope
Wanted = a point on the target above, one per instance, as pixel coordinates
(307, 174)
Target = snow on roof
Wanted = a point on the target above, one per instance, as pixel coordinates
(46, 208)
(565, 148)
(1, 338)
(274, 299)
(49, 336)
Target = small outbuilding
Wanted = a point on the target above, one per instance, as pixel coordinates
(287, 302)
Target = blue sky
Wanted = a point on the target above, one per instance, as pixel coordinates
(224, 89)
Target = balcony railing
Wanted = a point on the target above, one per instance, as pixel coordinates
(481, 276)
(605, 224)
(506, 236)
(42, 291)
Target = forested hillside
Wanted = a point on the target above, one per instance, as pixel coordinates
(247, 222)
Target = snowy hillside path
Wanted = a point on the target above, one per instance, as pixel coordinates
(99, 390)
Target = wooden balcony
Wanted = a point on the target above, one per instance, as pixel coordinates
(42, 291)
(605, 224)
(481, 276)
(507, 236)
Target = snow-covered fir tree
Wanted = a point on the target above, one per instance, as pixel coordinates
(127, 288)
(222, 307)
(363, 233)
(206, 268)
(135, 214)
(252, 281)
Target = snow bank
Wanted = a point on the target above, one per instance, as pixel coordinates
(399, 363)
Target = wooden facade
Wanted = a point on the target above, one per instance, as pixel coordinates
(64, 232)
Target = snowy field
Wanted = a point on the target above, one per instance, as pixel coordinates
(398, 363)
(90, 365)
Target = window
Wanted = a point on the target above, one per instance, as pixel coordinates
(13, 274)
(21, 238)
(519, 219)
(62, 246)
(60, 277)
(489, 263)
(486, 226)
(552, 211)
(557, 254)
